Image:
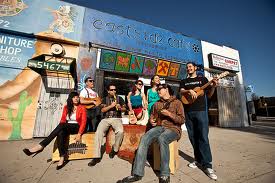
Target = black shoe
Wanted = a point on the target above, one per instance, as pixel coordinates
(58, 167)
(28, 152)
(131, 178)
(94, 161)
(164, 179)
(112, 154)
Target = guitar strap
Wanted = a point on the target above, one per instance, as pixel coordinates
(87, 92)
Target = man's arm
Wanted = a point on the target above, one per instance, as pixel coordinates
(212, 89)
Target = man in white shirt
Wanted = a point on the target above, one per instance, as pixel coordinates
(88, 92)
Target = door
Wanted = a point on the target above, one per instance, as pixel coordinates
(229, 107)
(53, 96)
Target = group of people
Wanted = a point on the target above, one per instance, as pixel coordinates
(166, 115)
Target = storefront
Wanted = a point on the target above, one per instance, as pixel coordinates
(105, 47)
(227, 107)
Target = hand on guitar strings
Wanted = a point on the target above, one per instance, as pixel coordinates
(214, 82)
(193, 94)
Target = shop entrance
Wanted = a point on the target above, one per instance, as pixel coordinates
(123, 83)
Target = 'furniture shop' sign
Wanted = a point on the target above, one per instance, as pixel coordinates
(129, 35)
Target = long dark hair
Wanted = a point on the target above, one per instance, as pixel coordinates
(134, 87)
(152, 83)
(70, 105)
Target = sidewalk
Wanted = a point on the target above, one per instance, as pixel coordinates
(239, 155)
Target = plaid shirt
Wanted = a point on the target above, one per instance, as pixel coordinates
(174, 106)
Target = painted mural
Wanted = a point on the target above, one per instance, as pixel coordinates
(136, 65)
(19, 85)
(174, 70)
(150, 66)
(52, 18)
(123, 62)
(182, 73)
(163, 68)
(107, 59)
(86, 65)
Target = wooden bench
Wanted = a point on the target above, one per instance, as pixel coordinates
(84, 150)
(174, 156)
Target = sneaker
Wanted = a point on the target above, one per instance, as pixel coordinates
(164, 179)
(193, 164)
(210, 173)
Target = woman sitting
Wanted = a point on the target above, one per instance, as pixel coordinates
(73, 121)
(137, 100)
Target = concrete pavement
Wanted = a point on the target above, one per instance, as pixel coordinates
(239, 155)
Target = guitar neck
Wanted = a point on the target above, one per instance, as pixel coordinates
(206, 85)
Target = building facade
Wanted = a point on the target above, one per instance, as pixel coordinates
(48, 48)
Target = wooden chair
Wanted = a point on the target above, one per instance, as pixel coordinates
(174, 156)
(84, 150)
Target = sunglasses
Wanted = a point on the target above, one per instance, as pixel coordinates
(140, 84)
(90, 80)
(112, 90)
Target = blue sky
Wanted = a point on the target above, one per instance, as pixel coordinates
(245, 25)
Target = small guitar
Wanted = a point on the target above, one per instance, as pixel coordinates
(187, 98)
(97, 100)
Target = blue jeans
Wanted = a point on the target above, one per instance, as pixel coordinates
(164, 138)
(197, 128)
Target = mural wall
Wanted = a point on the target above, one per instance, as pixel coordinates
(86, 65)
(49, 18)
(19, 85)
(130, 63)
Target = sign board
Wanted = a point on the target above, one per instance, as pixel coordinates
(218, 61)
(131, 36)
(51, 66)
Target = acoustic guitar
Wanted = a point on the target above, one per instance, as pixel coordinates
(96, 99)
(187, 98)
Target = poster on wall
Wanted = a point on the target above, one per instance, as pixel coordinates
(174, 70)
(52, 18)
(86, 65)
(123, 61)
(107, 59)
(136, 64)
(150, 66)
(163, 68)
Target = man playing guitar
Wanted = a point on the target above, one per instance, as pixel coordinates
(197, 117)
(88, 97)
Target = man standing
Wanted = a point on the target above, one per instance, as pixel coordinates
(197, 119)
(88, 92)
(112, 106)
(167, 117)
